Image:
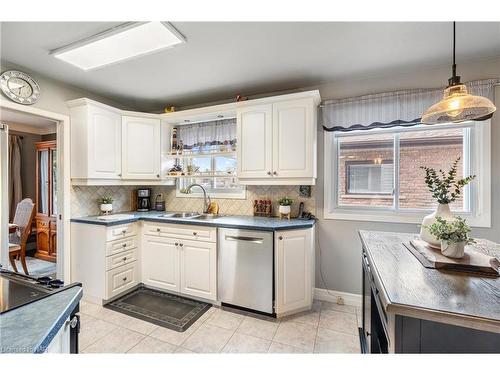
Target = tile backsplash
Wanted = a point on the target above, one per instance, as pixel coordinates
(84, 199)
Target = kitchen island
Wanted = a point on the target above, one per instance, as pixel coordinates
(41, 326)
(412, 309)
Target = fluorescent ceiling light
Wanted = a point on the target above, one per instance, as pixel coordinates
(119, 43)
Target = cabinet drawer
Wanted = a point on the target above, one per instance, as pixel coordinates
(181, 231)
(121, 278)
(120, 259)
(116, 247)
(121, 231)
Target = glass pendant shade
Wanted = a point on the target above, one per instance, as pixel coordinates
(458, 105)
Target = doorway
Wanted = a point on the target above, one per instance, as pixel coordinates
(34, 176)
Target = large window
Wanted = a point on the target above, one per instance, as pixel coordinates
(375, 174)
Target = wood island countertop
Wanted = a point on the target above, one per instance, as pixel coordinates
(408, 288)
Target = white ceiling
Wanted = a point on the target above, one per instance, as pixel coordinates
(222, 59)
(28, 123)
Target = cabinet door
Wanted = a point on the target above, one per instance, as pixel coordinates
(199, 269)
(104, 147)
(294, 267)
(294, 139)
(141, 145)
(254, 134)
(160, 263)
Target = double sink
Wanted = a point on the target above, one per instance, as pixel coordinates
(190, 215)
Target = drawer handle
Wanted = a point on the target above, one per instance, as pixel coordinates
(158, 229)
(269, 173)
(275, 173)
(124, 245)
(125, 279)
(176, 244)
(124, 259)
(195, 233)
(280, 238)
(181, 244)
(124, 231)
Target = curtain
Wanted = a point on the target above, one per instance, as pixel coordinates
(206, 134)
(15, 182)
(389, 109)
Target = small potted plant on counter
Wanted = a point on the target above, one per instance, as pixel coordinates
(106, 204)
(454, 235)
(445, 188)
(285, 207)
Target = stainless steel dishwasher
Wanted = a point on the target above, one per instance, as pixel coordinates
(245, 269)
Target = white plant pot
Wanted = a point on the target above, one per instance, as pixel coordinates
(443, 211)
(106, 207)
(285, 210)
(453, 250)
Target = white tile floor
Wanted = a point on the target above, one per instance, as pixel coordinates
(328, 328)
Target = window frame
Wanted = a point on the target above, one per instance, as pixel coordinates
(220, 195)
(478, 140)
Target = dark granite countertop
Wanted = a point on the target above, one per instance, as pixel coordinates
(240, 222)
(411, 289)
(31, 328)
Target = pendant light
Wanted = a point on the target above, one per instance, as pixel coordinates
(457, 104)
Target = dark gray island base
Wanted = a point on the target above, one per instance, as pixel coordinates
(411, 309)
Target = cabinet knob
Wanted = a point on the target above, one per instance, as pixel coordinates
(158, 229)
(119, 174)
(269, 173)
(280, 238)
(195, 233)
(275, 173)
(158, 175)
(176, 244)
(124, 231)
(181, 244)
(124, 279)
(124, 245)
(124, 259)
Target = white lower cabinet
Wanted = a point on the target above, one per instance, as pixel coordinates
(198, 264)
(176, 264)
(160, 263)
(294, 270)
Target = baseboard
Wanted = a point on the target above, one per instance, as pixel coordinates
(331, 296)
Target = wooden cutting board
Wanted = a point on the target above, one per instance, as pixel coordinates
(472, 262)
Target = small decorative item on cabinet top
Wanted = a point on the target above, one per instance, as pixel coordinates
(285, 207)
(263, 207)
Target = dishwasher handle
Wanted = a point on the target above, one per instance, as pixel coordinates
(244, 238)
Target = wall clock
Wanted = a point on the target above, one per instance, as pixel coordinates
(19, 87)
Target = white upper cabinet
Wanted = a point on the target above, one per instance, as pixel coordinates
(294, 139)
(277, 142)
(95, 142)
(141, 148)
(254, 138)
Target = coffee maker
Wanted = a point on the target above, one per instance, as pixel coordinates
(143, 199)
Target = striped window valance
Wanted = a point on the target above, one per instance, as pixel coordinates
(388, 109)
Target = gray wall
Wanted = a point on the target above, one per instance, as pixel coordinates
(340, 258)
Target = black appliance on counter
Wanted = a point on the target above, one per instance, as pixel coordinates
(17, 290)
(374, 331)
(143, 199)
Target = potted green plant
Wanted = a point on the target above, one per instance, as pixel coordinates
(106, 204)
(284, 205)
(453, 235)
(445, 188)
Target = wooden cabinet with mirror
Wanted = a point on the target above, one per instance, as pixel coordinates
(46, 200)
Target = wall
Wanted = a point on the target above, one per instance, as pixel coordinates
(339, 253)
(84, 199)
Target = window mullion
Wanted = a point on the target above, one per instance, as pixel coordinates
(396, 173)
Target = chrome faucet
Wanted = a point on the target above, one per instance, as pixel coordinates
(206, 197)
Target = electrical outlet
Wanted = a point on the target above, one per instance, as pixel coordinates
(340, 300)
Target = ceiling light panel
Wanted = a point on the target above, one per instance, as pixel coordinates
(120, 43)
